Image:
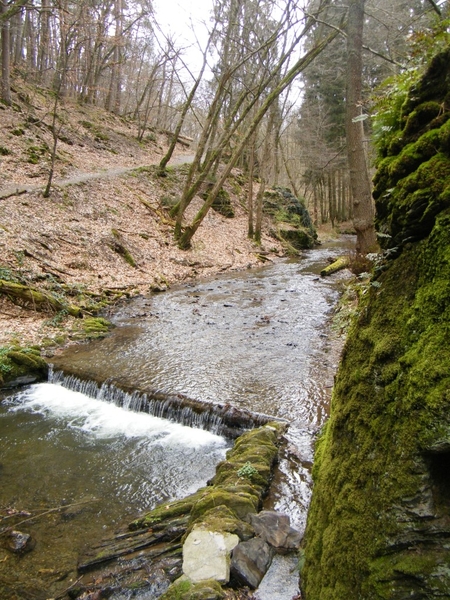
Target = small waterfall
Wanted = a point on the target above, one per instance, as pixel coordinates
(221, 419)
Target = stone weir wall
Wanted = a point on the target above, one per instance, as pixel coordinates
(204, 545)
(379, 522)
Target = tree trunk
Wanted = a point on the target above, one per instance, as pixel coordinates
(251, 168)
(363, 211)
(184, 112)
(6, 85)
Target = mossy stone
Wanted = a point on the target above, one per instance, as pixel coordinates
(168, 510)
(183, 589)
(378, 521)
(240, 504)
(220, 519)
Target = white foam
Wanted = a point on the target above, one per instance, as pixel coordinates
(106, 420)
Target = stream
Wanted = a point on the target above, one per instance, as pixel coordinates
(257, 340)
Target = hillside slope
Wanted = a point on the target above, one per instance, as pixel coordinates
(108, 235)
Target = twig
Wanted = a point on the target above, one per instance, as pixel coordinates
(50, 510)
(64, 592)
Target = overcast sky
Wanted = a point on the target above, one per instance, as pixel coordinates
(180, 17)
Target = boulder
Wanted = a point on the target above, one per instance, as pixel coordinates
(206, 555)
(250, 561)
(275, 529)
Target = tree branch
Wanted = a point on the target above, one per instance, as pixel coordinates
(435, 7)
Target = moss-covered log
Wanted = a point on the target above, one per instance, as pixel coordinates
(340, 263)
(378, 525)
(37, 299)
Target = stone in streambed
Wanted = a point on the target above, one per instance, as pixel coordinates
(206, 555)
(275, 529)
(250, 561)
(184, 589)
(19, 542)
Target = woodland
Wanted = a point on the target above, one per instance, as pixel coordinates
(345, 106)
(267, 92)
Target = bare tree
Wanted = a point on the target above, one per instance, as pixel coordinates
(292, 73)
(6, 85)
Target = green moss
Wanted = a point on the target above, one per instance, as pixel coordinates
(377, 525)
(168, 511)
(183, 589)
(240, 504)
(412, 187)
(419, 118)
(16, 361)
(222, 520)
(36, 153)
(30, 360)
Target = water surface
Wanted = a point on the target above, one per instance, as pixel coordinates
(257, 339)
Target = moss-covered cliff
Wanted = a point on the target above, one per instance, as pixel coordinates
(379, 523)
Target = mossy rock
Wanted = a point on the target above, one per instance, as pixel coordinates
(281, 204)
(222, 204)
(91, 328)
(227, 474)
(374, 483)
(220, 519)
(17, 362)
(168, 510)
(268, 434)
(411, 186)
(240, 504)
(28, 359)
(378, 521)
(183, 589)
(298, 237)
(248, 450)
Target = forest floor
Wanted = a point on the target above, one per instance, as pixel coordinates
(105, 230)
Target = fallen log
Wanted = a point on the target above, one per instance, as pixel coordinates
(340, 263)
(38, 299)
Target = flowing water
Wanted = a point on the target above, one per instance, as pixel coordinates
(256, 340)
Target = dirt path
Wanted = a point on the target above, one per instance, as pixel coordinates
(18, 190)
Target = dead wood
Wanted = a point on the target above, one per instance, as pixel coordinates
(341, 263)
(37, 299)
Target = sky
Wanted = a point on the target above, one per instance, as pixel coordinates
(182, 17)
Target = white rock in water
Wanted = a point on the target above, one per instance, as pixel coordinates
(206, 555)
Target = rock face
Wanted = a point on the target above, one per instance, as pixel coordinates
(206, 555)
(294, 222)
(378, 525)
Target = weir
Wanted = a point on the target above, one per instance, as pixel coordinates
(220, 419)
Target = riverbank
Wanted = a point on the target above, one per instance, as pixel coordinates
(104, 240)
